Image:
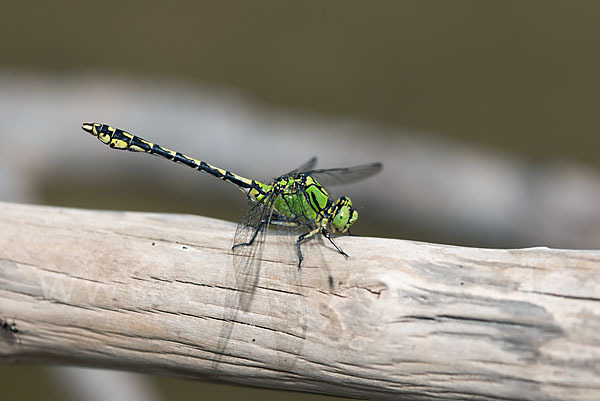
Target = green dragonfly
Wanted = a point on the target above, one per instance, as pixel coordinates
(296, 199)
(295, 202)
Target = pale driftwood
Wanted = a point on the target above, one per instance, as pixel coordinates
(416, 321)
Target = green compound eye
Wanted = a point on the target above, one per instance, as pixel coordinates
(353, 218)
(341, 217)
(344, 215)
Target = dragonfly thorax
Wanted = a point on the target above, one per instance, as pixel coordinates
(303, 198)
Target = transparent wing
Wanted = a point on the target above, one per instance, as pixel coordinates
(288, 311)
(309, 165)
(248, 244)
(251, 230)
(348, 175)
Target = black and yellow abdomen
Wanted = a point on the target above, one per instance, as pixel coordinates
(122, 140)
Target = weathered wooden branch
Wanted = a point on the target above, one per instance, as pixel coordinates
(155, 293)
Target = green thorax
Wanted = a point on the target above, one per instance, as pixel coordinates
(299, 198)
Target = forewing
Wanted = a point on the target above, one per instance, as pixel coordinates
(309, 165)
(348, 175)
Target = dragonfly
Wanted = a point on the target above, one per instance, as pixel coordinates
(296, 202)
(297, 199)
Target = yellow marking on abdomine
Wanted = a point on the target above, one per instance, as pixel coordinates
(128, 135)
(243, 179)
(146, 142)
(135, 148)
(104, 138)
(118, 143)
(254, 193)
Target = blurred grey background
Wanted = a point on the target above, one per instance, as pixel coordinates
(483, 113)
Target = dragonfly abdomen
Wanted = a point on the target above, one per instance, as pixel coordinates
(119, 139)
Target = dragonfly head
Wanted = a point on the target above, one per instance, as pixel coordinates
(342, 216)
(91, 128)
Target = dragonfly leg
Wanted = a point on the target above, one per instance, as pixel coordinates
(283, 223)
(328, 236)
(262, 223)
(301, 238)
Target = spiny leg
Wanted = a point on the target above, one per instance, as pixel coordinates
(328, 236)
(278, 221)
(260, 225)
(301, 238)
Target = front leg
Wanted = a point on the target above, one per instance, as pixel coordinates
(328, 236)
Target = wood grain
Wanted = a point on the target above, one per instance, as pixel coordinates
(155, 293)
